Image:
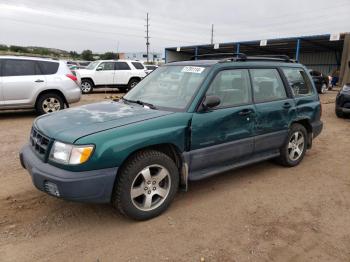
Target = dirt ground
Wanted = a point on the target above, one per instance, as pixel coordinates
(263, 212)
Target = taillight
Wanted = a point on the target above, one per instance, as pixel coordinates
(73, 77)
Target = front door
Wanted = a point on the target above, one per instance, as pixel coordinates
(104, 74)
(275, 109)
(224, 134)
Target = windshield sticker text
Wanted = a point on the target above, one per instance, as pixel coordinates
(193, 69)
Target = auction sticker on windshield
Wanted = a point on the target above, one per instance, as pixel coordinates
(193, 69)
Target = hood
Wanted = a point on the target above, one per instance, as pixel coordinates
(70, 124)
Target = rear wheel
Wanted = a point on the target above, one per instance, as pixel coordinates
(86, 86)
(146, 185)
(132, 83)
(294, 149)
(49, 103)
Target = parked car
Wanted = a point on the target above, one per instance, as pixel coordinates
(342, 102)
(43, 84)
(123, 74)
(135, 153)
(321, 81)
(150, 68)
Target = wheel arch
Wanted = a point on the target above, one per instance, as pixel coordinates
(54, 91)
(88, 78)
(305, 122)
(169, 149)
(134, 77)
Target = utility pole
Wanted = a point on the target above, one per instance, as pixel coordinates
(147, 37)
(212, 34)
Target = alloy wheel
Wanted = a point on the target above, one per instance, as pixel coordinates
(296, 146)
(85, 87)
(150, 187)
(51, 104)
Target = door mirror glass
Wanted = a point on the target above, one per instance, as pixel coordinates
(211, 102)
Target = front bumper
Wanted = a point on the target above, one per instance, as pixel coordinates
(94, 186)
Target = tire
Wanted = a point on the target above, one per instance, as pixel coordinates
(87, 86)
(146, 185)
(339, 113)
(294, 144)
(323, 88)
(132, 83)
(49, 103)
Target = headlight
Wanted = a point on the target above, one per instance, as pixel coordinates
(346, 88)
(70, 154)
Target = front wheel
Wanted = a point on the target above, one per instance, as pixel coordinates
(133, 83)
(294, 149)
(146, 185)
(86, 86)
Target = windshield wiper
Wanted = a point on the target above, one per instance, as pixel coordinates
(140, 103)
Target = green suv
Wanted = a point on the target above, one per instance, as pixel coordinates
(186, 121)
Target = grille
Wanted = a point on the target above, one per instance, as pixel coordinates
(39, 142)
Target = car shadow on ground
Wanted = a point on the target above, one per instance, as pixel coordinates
(6, 114)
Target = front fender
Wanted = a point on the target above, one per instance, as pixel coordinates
(115, 145)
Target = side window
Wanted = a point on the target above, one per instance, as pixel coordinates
(106, 66)
(48, 68)
(298, 81)
(137, 65)
(232, 86)
(267, 85)
(14, 67)
(122, 66)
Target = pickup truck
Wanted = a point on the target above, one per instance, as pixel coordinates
(123, 74)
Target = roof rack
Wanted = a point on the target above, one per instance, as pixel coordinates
(216, 55)
(272, 58)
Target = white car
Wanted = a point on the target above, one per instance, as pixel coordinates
(43, 84)
(123, 74)
(150, 68)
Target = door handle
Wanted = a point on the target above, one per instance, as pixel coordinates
(39, 81)
(287, 105)
(245, 112)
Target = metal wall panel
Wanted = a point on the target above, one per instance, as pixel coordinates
(325, 62)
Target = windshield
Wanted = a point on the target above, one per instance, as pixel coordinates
(92, 65)
(169, 87)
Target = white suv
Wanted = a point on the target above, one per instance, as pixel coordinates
(123, 74)
(43, 84)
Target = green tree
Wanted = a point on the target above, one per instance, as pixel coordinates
(4, 48)
(109, 56)
(87, 55)
(74, 54)
(18, 49)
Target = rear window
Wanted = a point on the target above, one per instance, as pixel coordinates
(16, 67)
(138, 65)
(48, 68)
(151, 67)
(121, 66)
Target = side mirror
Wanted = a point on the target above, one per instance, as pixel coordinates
(211, 102)
(99, 68)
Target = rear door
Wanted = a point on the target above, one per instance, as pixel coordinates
(104, 73)
(305, 96)
(122, 73)
(21, 79)
(223, 135)
(275, 108)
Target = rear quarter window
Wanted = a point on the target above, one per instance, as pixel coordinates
(299, 81)
(138, 65)
(48, 68)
